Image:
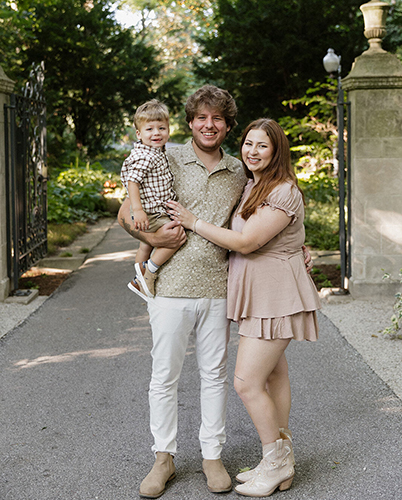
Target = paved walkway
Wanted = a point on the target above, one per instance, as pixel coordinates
(74, 410)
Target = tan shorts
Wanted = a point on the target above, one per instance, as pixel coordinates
(155, 221)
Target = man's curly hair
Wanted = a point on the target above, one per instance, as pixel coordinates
(215, 98)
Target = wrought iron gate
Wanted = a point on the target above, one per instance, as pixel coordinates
(26, 177)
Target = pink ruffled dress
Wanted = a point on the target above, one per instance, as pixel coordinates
(270, 293)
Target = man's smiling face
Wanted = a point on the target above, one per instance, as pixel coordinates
(209, 129)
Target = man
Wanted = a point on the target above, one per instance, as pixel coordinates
(191, 290)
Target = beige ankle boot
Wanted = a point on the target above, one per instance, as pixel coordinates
(286, 435)
(275, 469)
(218, 480)
(154, 485)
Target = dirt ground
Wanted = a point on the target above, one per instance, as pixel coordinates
(333, 274)
(46, 283)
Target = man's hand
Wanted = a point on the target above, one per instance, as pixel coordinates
(307, 259)
(171, 235)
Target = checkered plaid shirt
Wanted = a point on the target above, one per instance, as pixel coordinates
(149, 167)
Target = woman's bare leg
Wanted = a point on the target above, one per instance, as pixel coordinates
(256, 360)
(278, 387)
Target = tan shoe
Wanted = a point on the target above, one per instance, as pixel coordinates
(275, 470)
(147, 279)
(136, 287)
(218, 480)
(286, 435)
(154, 485)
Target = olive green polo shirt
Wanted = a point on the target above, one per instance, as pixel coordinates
(199, 268)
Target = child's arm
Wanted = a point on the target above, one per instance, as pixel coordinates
(140, 217)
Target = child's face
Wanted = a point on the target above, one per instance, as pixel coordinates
(154, 133)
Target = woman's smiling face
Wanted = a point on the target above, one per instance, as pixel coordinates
(257, 152)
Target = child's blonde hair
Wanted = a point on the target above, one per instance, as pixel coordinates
(152, 110)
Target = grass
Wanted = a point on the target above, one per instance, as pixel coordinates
(62, 235)
(66, 254)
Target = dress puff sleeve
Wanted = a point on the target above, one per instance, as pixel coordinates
(286, 197)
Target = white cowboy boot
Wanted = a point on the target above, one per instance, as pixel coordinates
(286, 435)
(275, 470)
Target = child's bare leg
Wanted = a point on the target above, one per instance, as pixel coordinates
(146, 273)
(143, 253)
(162, 255)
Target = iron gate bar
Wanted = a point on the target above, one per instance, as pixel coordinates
(7, 178)
(341, 176)
(349, 192)
(13, 232)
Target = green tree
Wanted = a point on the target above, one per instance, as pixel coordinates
(172, 28)
(313, 134)
(266, 52)
(393, 39)
(96, 71)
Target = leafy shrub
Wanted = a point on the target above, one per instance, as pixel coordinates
(393, 331)
(311, 126)
(75, 194)
(322, 210)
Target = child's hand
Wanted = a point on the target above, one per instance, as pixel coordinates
(140, 220)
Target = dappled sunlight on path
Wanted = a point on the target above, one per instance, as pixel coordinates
(70, 356)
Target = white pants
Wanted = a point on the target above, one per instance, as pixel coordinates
(172, 321)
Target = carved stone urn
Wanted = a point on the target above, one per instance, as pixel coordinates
(375, 16)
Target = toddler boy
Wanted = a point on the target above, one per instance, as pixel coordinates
(148, 180)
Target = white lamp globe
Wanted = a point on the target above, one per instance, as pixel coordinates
(331, 61)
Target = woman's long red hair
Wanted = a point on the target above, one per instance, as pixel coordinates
(278, 171)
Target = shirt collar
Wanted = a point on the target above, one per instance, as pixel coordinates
(150, 149)
(191, 157)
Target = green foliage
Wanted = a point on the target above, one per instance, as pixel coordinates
(96, 71)
(393, 39)
(320, 278)
(311, 125)
(266, 52)
(394, 330)
(322, 210)
(112, 159)
(322, 226)
(76, 193)
(66, 254)
(319, 187)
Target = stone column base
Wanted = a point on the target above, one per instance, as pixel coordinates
(4, 289)
(371, 290)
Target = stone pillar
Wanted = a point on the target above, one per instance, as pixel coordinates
(374, 88)
(6, 88)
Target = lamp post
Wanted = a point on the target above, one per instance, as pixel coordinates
(332, 64)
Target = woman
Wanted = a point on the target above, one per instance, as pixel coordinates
(270, 295)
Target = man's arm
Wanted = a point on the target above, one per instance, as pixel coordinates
(170, 235)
